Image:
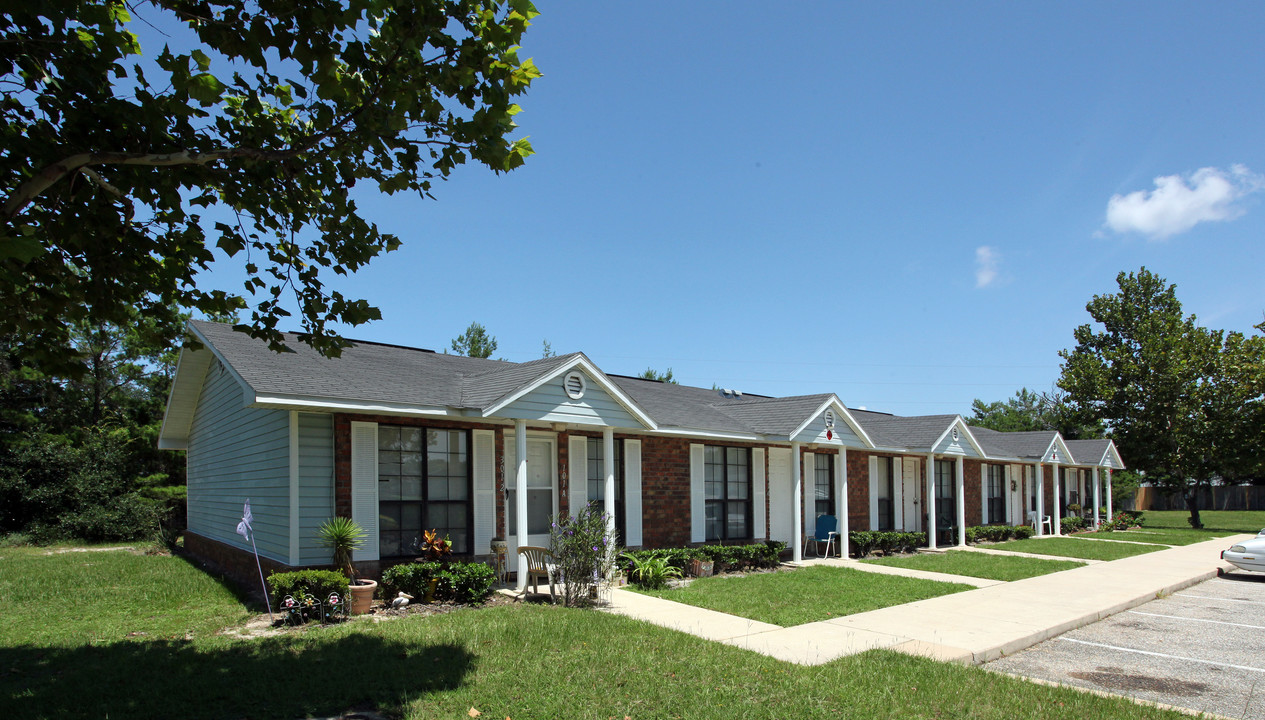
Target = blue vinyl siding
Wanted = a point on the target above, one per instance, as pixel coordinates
(235, 453)
(316, 484)
(550, 403)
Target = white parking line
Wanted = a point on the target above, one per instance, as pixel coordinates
(1178, 617)
(1163, 655)
(1205, 597)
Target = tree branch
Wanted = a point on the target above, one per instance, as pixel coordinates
(51, 174)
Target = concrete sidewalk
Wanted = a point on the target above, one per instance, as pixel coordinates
(971, 627)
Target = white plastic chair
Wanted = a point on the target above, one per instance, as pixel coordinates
(1046, 523)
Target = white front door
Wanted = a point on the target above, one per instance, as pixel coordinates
(911, 486)
(542, 492)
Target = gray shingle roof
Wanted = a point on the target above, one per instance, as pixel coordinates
(364, 372)
(1087, 452)
(372, 372)
(917, 432)
(1031, 444)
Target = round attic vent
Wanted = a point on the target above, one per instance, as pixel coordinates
(955, 434)
(830, 418)
(574, 384)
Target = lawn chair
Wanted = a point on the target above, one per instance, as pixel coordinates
(539, 567)
(1045, 522)
(825, 532)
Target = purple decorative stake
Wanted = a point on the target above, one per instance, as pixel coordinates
(244, 529)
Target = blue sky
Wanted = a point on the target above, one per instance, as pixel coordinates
(905, 204)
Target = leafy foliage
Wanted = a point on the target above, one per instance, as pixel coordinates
(1181, 400)
(584, 548)
(474, 342)
(78, 448)
(1028, 411)
(865, 542)
(663, 377)
(344, 537)
(126, 167)
(462, 582)
(304, 583)
(53, 489)
(651, 572)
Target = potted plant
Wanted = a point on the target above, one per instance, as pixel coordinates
(344, 536)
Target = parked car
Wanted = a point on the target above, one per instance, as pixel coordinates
(1247, 555)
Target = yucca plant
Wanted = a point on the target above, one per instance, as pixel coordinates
(344, 536)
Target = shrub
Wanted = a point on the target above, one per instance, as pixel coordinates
(742, 557)
(584, 549)
(1069, 525)
(1023, 532)
(306, 583)
(865, 542)
(462, 582)
(469, 582)
(678, 558)
(650, 571)
(862, 541)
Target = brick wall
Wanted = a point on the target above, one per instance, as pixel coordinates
(858, 490)
(665, 492)
(973, 472)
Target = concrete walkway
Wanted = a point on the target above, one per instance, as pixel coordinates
(971, 627)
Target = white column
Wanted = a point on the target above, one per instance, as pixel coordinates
(520, 496)
(843, 504)
(1110, 516)
(961, 501)
(608, 459)
(930, 501)
(1058, 501)
(1097, 499)
(1040, 499)
(797, 506)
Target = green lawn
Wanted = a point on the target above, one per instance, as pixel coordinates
(1076, 548)
(69, 658)
(1225, 521)
(1160, 536)
(977, 564)
(795, 597)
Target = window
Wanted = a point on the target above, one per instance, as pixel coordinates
(424, 483)
(883, 487)
(996, 489)
(727, 481)
(1072, 481)
(946, 507)
(824, 486)
(597, 480)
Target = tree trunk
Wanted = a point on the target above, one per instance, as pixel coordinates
(1192, 504)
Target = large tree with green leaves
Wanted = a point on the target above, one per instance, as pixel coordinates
(125, 165)
(475, 342)
(1161, 384)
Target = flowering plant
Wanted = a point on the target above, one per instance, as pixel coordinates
(584, 549)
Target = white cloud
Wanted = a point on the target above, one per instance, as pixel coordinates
(1178, 204)
(986, 261)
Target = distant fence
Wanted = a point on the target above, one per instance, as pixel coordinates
(1221, 497)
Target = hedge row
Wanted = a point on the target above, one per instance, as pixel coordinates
(723, 557)
(303, 583)
(998, 533)
(865, 542)
(462, 582)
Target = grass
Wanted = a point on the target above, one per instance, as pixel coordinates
(795, 597)
(55, 596)
(977, 564)
(1077, 548)
(1160, 536)
(521, 661)
(1224, 521)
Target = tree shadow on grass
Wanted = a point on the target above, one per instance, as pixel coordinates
(273, 678)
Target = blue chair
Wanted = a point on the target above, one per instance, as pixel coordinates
(826, 531)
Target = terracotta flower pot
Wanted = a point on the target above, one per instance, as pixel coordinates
(362, 596)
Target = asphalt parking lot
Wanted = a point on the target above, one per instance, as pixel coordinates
(1201, 648)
